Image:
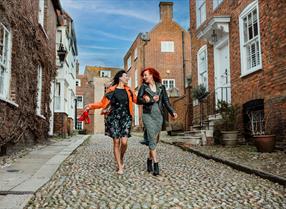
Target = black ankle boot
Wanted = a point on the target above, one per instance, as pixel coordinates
(149, 165)
(156, 169)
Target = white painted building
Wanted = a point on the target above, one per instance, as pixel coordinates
(63, 93)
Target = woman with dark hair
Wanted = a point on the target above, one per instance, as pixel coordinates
(118, 107)
(153, 96)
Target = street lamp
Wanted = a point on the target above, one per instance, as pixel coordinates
(214, 36)
(62, 53)
(145, 38)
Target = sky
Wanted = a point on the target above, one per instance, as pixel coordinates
(105, 29)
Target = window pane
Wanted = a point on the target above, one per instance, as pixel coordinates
(2, 71)
(1, 42)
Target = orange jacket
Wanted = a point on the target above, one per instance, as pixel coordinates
(105, 101)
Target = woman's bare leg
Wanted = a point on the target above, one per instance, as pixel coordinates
(116, 152)
(153, 155)
(123, 148)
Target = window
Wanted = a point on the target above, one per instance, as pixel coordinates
(216, 3)
(105, 73)
(79, 125)
(129, 63)
(5, 61)
(167, 46)
(169, 83)
(77, 82)
(79, 101)
(135, 53)
(250, 49)
(58, 96)
(39, 90)
(200, 11)
(41, 12)
(203, 66)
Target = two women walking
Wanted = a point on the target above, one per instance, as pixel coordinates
(119, 98)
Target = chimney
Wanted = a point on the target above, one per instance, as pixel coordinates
(166, 11)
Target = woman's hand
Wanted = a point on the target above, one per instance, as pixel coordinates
(86, 108)
(175, 115)
(146, 98)
(156, 98)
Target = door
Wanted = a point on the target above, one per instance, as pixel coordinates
(222, 72)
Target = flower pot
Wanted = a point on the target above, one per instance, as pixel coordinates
(264, 143)
(229, 138)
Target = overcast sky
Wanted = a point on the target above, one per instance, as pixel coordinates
(105, 29)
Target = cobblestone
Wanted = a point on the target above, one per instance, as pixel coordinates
(87, 179)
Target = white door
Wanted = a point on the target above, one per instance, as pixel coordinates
(222, 72)
(136, 115)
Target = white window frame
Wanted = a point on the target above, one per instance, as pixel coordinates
(39, 89)
(201, 14)
(167, 83)
(41, 15)
(203, 49)
(105, 74)
(77, 82)
(216, 3)
(135, 53)
(78, 103)
(129, 63)
(5, 63)
(245, 46)
(167, 46)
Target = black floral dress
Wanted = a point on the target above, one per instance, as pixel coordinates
(118, 122)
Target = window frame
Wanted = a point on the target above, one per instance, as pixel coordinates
(6, 66)
(41, 13)
(167, 46)
(256, 40)
(216, 5)
(39, 90)
(204, 48)
(105, 71)
(135, 53)
(79, 123)
(168, 83)
(129, 62)
(199, 18)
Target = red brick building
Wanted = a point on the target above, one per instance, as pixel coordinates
(167, 49)
(27, 67)
(238, 53)
(91, 88)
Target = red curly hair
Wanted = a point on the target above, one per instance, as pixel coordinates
(154, 73)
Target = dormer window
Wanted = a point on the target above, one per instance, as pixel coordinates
(105, 74)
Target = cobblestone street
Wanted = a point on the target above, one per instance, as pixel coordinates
(87, 179)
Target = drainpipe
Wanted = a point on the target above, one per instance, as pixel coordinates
(184, 65)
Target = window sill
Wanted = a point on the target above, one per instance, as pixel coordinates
(8, 101)
(44, 31)
(250, 72)
(41, 116)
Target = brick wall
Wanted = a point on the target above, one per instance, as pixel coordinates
(269, 83)
(31, 47)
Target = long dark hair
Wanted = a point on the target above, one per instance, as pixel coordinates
(154, 73)
(115, 80)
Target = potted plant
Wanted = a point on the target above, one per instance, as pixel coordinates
(228, 122)
(200, 93)
(265, 142)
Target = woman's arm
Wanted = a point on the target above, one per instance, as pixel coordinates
(98, 105)
(166, 102)
(140, 97)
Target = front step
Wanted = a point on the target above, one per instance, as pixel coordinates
(193, 140)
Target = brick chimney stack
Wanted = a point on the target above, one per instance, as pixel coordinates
(166, 11)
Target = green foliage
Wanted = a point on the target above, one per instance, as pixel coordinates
(229, 115)
(199, 92)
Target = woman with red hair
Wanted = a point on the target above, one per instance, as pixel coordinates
(153, 96)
